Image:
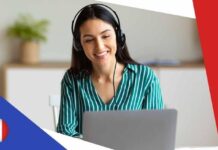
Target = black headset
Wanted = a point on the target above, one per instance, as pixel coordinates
(121, 38)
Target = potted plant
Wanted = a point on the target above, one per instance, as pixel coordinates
(30, 32)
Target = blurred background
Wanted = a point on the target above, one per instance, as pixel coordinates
(168, 43)
(150, 35)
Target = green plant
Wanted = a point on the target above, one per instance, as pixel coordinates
(27, 28)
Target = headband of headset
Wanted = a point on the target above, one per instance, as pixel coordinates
(120, 36)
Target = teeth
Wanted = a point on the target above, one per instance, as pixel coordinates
(101, 54)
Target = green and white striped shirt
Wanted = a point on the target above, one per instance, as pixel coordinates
(138, 89)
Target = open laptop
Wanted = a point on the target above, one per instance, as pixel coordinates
(131, 130)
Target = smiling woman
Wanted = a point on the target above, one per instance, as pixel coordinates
(103, 76)
(98, 40)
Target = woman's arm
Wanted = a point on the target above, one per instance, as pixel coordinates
(68, 120)
(153, 97)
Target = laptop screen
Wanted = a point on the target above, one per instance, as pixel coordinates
(131, 130)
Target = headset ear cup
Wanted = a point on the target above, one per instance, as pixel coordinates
(76, 44)
(123, 40)
(120, 38)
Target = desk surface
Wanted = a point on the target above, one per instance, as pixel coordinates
(73, 143)
(79, 144)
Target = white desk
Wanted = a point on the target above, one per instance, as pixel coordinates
(71, 143)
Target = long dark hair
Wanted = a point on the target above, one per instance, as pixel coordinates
(79, 60)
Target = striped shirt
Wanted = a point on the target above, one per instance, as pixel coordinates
(138, 89)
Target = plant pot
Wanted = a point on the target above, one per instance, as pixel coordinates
(30, 52)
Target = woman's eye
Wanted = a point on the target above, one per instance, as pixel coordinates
(105, 36)
(88, 40)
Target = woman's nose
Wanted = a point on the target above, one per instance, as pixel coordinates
(99, 44)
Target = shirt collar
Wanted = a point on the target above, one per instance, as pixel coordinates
(131, 67)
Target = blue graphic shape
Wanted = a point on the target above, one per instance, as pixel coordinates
(23, 134)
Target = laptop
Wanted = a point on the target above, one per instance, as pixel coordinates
(131, 130)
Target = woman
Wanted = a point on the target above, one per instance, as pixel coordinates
(103, 76)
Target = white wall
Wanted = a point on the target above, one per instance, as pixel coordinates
(58, 12)
(150, 35)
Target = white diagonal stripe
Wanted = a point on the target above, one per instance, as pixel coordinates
(175, 7)
(0, 130)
